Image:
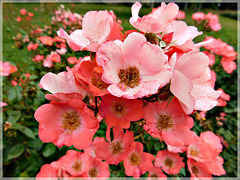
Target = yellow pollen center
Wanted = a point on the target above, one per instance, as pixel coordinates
(168, 162)
(116, 147)
(93, 172)
(164, 122)
(71, 121)
(97, 81)
(135, 159)
(194, 152)
(195, 170)
(129, 77)
(77, 166)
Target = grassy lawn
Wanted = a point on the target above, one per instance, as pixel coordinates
(43, 12)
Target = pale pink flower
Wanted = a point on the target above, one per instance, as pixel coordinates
(66, 123)
(198, 16)
(3, 104)
(6, 69)
(156, 21)
(61, 51)
(62, 86)
(38, 58)
(97, 27)
(133, 68)
(171, 163)
(180, 15)
(191, 82)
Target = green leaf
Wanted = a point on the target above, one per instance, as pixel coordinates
(24, 174)
(34, 158)
(34, 143)
(32, 170)
(14, 94)
(16, 151)
(183, 172)
(32, 77)
(26, 131)
(39, 99)
(13, 116)
(49, 150)
(156, 146)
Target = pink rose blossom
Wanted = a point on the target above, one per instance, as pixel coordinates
(133, 68)
(171, 163)
(30, 14)
(137, 162)
(156, 21)
(198, 16)
(3, 104)
(38, 58)
(19, 19)
(23, 11)
(6, 69)
(46, 40)
(66, 123)
(32, 46)
(180, 15)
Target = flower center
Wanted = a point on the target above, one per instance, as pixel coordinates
(154, 175)
(77, 166)
(168, 162)
(118, 108)
(70, 121)
(194, 152)
(116, 147)
(164, 122)
(93, 172)
(97, 81)
(195, 170)
(129, 77)
(135, 158)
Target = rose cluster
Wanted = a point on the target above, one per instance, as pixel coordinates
(154, 77)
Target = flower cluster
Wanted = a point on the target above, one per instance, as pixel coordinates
(222, 49)
(154, 77)
(24, 15)
(208, 21)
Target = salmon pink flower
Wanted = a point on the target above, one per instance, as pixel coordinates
(88, 75)
(169, 123)
(133, 68)
(91, 149)
(66, 123)
(228, 64)
(180, 15)
(38, 57)
(213, 22)
(156, 173)
(6, 69)
(19, 19)
(32, 46)
(137, 162)
(97, 27)
(23, 11)
(72, 60)
(198, 170)
(120, 111)
(116, 150)
(75, 163)
(156, 21)
(46, 40)
(171, 163)
(211, 57)
(198, 16)
(30, 14)
(62, 86)
(98, 169)
(14, 83)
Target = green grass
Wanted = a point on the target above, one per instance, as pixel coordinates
(42, 17)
